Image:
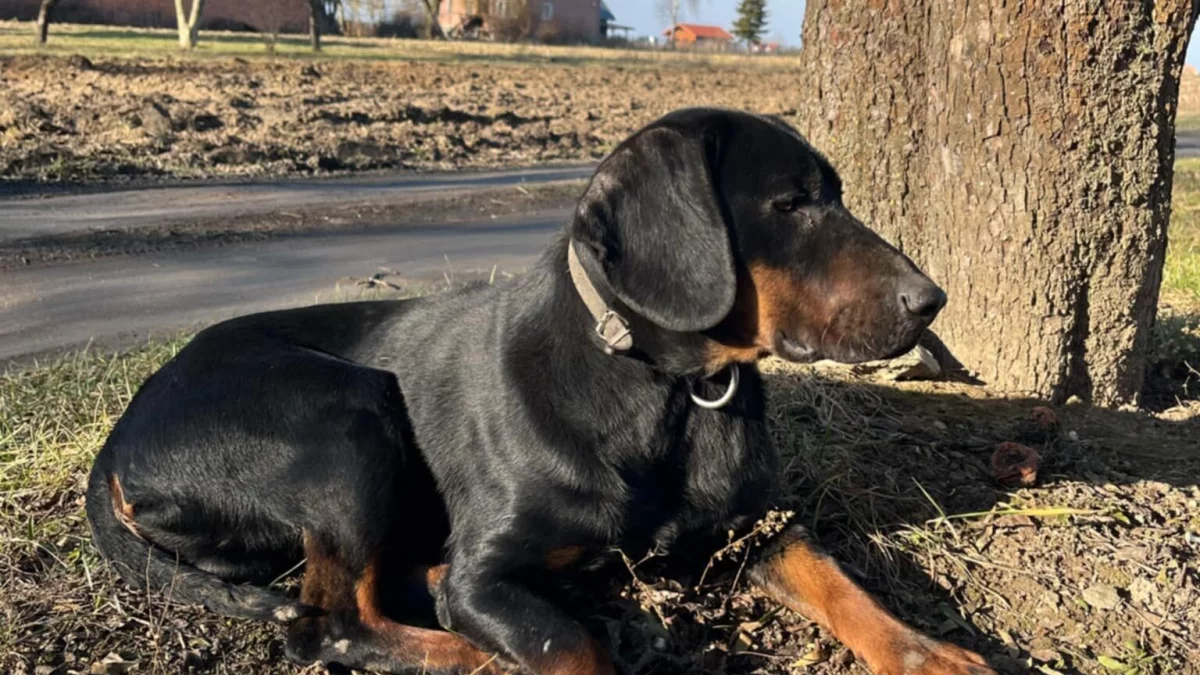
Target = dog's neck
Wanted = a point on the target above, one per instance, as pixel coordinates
(659, 351)
(612, 328)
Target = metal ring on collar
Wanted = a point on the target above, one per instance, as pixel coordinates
(725, 398)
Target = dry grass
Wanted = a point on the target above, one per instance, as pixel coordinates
(122, 42)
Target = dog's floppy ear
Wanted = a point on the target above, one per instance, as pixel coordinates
(653, 222)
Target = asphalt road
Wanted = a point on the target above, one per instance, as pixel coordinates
(1187, 144)
(116, 302)
(32, 216)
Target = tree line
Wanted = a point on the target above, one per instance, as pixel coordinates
(268, 16)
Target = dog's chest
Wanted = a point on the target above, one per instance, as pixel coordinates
(719, 473)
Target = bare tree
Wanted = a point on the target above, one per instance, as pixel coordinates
(188, 23)
(434, 28)
(269, 17)
(45, 14)
(316, 14)
(1022, 154)
(671, 10)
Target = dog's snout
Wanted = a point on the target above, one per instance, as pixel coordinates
(921, 298)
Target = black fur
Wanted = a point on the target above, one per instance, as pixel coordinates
(486, 427)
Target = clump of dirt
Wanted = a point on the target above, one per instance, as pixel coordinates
(181, 119)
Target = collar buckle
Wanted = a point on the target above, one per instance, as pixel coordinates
(614, 330)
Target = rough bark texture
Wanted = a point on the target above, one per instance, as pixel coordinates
(1021, 153)
(188, 23)
(44, 17)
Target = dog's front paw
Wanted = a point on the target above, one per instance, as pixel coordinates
(305, 637)
(919, 655)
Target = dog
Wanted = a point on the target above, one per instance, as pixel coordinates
(451, 454)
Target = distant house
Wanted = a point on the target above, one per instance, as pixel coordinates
(699, 37)
(545, 20)
(609, 28)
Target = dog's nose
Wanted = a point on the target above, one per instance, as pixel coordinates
(922, 298)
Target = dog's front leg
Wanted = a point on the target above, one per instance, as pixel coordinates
(797, 574)
(491, 608)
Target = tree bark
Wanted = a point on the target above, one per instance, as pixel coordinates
(189, 24)
(316, 11)
(1022, 154)
(44, 17)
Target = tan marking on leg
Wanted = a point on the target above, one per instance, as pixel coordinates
(561, 558)
(804, 579)
(591, 659)
(432, 649)
(432, 576)
(122, 509)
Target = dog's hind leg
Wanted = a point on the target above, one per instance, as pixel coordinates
(797, 574)
(351, 630)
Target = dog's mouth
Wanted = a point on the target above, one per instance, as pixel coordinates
(794, 350)
(797, 350)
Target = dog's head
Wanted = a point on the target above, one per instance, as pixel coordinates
(730, 226)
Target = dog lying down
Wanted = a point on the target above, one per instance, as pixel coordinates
(449, 457)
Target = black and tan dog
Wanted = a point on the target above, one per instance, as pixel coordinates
(459, 448)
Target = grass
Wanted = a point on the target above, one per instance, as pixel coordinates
(1189, 121)
(122, 42)
(1181, 274)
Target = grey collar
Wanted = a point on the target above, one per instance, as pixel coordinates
(612, 328)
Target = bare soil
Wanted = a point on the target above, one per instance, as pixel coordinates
(78, 119)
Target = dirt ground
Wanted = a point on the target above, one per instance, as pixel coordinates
(75, 119)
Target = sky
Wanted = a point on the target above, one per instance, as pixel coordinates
(1193, 55)
(783, 17)
(783, 20)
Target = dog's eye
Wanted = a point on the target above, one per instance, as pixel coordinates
(789, 203)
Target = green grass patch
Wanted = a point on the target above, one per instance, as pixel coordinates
(53, 417)
(1181, 275)
(125, 42)
(1187, 122)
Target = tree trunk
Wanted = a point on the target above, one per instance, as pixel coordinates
(44, 17)
(432, 8)
(188, 24)
(316, 12)
(1022, 154)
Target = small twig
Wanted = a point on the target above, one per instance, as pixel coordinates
(643, 588)
(283, 576)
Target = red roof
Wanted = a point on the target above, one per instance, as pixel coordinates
(703, 32)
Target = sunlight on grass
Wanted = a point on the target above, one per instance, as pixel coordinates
(1181, 275)
(123, 42)
(54, 417)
